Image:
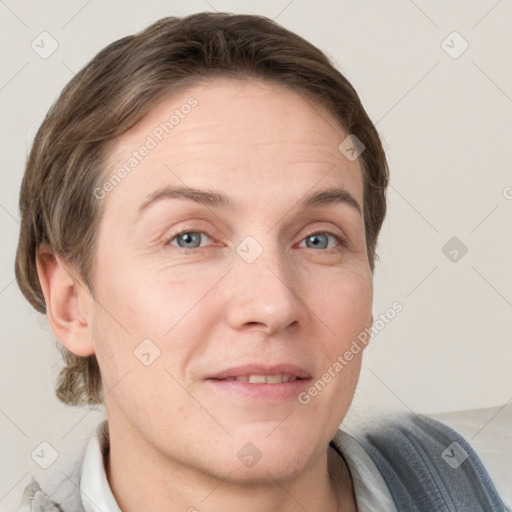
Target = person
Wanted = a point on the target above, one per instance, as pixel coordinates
(200, 213)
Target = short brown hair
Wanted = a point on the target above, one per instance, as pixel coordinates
(113, 92)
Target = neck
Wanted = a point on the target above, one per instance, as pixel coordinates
(141, 479)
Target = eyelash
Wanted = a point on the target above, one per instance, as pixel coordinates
(343, 243)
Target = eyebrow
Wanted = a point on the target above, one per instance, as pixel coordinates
(212, 198)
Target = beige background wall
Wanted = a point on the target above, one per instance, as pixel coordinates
(446, 122)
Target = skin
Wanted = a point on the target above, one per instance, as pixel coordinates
(174, 439)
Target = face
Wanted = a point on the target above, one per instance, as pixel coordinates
(193, 291)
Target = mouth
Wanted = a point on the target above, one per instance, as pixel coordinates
(277, 378)
(262, 383)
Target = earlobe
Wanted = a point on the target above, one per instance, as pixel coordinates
(65, 310)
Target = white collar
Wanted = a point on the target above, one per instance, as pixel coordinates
(372, 492)
(94, 487)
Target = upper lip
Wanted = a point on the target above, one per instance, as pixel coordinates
(262, 369)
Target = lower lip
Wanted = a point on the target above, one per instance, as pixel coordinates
(267, 392)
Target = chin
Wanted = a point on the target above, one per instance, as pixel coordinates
(262, 459)
(280, 467)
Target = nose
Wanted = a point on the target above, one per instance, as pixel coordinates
(265, 293)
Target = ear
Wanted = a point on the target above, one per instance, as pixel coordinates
(67, 303)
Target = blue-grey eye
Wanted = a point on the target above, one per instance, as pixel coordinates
(188, 239)
(318, 240)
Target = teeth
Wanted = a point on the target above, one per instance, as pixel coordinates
(273, 379)
(265, 379)
(257, 379)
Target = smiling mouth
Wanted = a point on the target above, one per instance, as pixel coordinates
(278, 378)
(260, 387)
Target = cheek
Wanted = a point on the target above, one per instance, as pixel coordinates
(143, 318)
(344, 305)
(343, 311)
(143, 302)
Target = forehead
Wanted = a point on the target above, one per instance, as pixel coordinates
(235, 134)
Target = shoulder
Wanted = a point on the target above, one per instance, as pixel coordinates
(34, 499)
(58, 491)
(489, 431)
(423, 458)
(57, 487)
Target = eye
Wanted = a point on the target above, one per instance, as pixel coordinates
(188, 239)
(320, 240)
